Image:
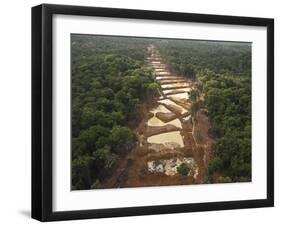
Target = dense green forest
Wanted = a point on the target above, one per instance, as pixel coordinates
(222, 75)
(109, 82)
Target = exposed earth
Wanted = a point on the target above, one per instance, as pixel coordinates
(168, 136)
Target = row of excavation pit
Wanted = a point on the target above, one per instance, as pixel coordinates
(164, 138)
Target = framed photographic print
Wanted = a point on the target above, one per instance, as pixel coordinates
(146, 112)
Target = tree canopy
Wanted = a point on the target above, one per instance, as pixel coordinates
(109, 82)
(222, 72)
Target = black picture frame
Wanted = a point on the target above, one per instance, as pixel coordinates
(42, 111)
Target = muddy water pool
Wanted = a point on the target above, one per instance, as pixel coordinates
(169, 137)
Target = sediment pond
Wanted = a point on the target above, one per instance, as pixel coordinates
(169, 137)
